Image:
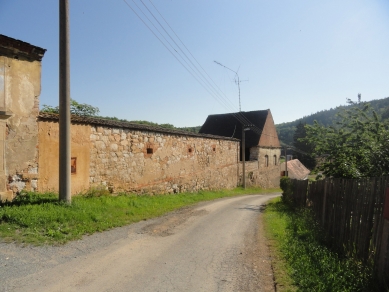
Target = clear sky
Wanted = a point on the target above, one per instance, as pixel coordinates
(294, 57)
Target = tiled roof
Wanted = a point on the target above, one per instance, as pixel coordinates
(17, 49)
(228, 125)
(296, 169)
(128, 125)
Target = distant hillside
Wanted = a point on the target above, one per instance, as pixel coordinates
(326, 117)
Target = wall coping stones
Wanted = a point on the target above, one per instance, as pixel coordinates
(97, 121)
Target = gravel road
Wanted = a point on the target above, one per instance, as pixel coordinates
(211, 246)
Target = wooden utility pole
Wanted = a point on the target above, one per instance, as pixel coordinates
(64, 104)
(243, 158)
(286, 162)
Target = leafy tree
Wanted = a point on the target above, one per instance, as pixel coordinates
(306, 158)
(78, 109)
(195, 129)
(385, 114)
(142, 122)
(358, 146)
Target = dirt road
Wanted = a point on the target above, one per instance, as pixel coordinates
(213, 246)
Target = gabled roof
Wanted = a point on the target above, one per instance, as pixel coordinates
(17, 49)
(230, 125)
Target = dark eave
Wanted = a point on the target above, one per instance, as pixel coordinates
(20, 50)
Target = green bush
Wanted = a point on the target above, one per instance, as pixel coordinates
(287, 190)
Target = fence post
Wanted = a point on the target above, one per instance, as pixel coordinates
(384, 239)
(324, 203)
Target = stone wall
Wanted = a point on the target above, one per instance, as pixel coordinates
(145, 161)
(263, 169)
(123, 157)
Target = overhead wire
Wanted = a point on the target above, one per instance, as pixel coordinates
(201, 82)
(219, 98)
(194, 58)
(160, 38)
(213, 90)
(225, 100)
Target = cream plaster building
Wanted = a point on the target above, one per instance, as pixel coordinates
(20, 86)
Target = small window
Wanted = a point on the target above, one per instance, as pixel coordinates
(266, 160)
(150, 151)
(190, 150)
(275, 159)
(213, 148)
(73, 165)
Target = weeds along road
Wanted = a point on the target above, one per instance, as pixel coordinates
(212, 246)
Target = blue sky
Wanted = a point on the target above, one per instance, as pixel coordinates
(294, 57)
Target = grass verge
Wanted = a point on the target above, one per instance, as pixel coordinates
(301, 260)
(40, 219)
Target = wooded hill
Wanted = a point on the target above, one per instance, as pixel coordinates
(327, 117)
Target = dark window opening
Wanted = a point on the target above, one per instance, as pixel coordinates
(73, 165)
(150, 151)
(275, 159)
(246, 154)
(266, 160)
(190, 150)
(214, 149)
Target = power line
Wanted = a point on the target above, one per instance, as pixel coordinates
(215, 94)
(201, 79)
(223, 100)
(143, 21)
(191, 53)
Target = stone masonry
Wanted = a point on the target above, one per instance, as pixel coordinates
(130, 160)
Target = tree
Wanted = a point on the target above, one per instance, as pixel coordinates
(78, 109)
(306, 148)
(385, 114)
(358, 146)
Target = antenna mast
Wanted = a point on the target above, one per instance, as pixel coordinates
(236, 82)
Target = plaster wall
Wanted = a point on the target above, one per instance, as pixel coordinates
(19, 105)
(269, 137)
(49, 161)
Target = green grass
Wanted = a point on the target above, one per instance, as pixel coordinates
(302, 262)
(40, 219)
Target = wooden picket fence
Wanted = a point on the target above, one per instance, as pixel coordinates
(351, 214)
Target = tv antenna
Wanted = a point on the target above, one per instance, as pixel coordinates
(237, 80)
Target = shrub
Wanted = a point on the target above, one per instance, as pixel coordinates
(287, 190)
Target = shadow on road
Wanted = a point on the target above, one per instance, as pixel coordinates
(254, 208)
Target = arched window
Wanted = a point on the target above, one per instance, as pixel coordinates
(275, 159)
(266, 160)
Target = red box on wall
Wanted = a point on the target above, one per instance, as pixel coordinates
(386, 205)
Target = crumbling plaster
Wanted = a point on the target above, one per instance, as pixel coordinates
(21, 105)
(48, 156)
